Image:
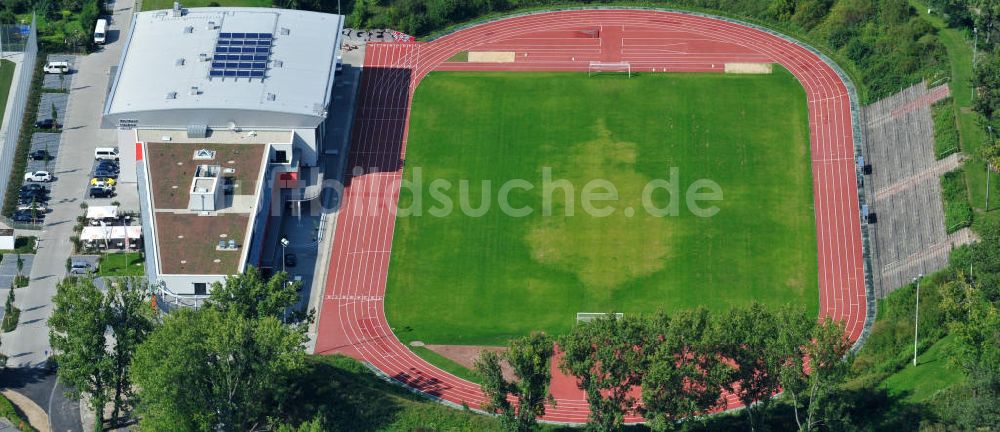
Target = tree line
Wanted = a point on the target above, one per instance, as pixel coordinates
(229, 365)
(672, 368)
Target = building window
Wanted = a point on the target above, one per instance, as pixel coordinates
(280, 156)
(200, 288)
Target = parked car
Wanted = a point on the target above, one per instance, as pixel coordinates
(80, 267)
(32, 187)
(47, 124)
(56, 67)
(107, 169)
(38, 207)
(102, 181)
(291, 260)
(38, 176)
(27, 217)
(34, 195)
(107, 165)
(101, 192)
(40, 155)
(102, 172)
(106, 153)
(297, 280)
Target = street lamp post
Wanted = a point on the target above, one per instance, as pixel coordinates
(284, 244)
(916, 318)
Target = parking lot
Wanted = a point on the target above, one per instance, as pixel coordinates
(47, 141)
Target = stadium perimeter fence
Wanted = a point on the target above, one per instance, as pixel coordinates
(23, 39)
(870, 303)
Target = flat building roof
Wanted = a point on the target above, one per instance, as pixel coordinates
(224, 64)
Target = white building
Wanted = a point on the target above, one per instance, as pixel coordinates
(213, 105)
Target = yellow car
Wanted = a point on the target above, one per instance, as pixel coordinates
(101, 181)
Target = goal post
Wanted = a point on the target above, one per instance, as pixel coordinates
(590, 316)
(597, 68)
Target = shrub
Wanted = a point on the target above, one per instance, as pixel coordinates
(955, 197)
(946, 139)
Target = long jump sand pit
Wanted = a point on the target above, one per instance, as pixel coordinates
(749, 68)
(491, 56)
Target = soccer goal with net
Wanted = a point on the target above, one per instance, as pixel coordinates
(598, 68)
(590, 316)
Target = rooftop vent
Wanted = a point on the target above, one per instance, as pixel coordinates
(284, 31)
(189, 29)
(278, 63)
(195, 91)
(203, 56)
(204, 154)
(198, 131)
(271, 97)
(179, 62)
(171, 95)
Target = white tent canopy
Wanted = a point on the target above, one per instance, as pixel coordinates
(92, 233)
(102, 212)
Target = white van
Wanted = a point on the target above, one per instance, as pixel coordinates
(100, 31)
(56, 67)
(106, 153)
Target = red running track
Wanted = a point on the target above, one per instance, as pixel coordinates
(352, 319)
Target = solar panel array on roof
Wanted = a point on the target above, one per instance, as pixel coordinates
(241, 55)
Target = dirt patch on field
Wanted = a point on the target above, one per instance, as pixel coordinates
(491, 56)
(749, 68)
(466, 355)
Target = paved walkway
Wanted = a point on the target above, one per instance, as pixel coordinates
(35, 414)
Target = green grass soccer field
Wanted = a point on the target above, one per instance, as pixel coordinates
(459, 277)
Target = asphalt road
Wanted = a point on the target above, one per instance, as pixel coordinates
(43, 388)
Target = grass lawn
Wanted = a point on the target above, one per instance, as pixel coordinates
(946, 138)
(349, 396)
(10, 413)
(22, 245)
(931, 374)
(148, 5)
(446, 364)
(121, 264)
(957, 213)
(6, 77)
(466, 279)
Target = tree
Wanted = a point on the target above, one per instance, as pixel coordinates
(530, 358)
(77, 335)
(974, 320)
(747, 343)
(3, 358)
(790, 354)
(606, 356)
(986, 80)
(249, 295)
(215, 369)
(815, 385)
(94, 336)
(685, 373)
(131, 319)
(12, 314)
